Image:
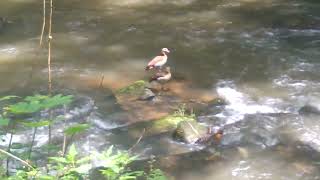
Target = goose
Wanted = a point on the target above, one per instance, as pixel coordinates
(158, 61)
(162, 77)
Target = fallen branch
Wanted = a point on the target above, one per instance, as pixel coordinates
(144, 130)
(17, 158)
(101, 82)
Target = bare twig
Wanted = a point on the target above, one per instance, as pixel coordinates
(15, 157)
(49, 48)
(9, 148)
(32, 141)
(64, 145)
(144, 130)
(43, 22)
(101, 82)
(194, 130)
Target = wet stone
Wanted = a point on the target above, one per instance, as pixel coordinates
(190, 131)
(147, 95)
(309, 109)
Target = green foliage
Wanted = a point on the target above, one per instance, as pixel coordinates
(32, 104)
(37, 124)
(182, 111)
(4, 121)
(156, 174)
(24, 107)
(71, 167)
(8, 98)
(75, 129)
(116, 165)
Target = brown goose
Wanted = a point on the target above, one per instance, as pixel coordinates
(162, 77)
(158, 61)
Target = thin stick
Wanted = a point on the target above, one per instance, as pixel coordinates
(32, 141)
(43, 22)
(9, 147)
(144, 130)
(49, 47)
(64, 134)
(17, 158)
(64, 146)
(101, 82)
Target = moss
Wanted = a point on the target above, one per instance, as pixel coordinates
(190, 132)
(134, 88)
(165, 124)
(170, 122)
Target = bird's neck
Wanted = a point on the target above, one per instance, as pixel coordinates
(163, 54)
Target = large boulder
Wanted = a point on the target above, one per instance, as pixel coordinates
(144, 103)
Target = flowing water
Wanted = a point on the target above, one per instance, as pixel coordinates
(262, 56)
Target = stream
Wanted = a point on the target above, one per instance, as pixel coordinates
(262, 57)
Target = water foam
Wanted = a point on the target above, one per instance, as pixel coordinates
(241, 104)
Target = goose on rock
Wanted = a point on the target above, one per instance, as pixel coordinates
(162, 77)
(158, 61)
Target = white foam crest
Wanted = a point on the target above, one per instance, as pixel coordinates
(240, 105)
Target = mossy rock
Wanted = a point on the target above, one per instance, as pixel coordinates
(135, 88)
(159, 126)
(190, 131)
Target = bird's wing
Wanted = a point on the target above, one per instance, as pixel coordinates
(155, 60)
(156, 76)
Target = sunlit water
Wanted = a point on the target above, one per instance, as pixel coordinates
(261, 56)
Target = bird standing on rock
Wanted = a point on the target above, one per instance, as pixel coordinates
(162, 77)
(158, 61)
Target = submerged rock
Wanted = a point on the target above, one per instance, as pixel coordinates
(309, 109)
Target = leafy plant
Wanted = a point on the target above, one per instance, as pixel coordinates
(156, 174)
(32, 104)
(182, 111)
(75, 129)
(116, 165)
(70, 166)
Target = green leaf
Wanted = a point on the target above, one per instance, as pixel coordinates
(24, 107)
(156, 174)
(36, 97)
(72, 153)
(57, 100)
(37, 124)
(4, 121)
(84, 160)
(83, 169)
(76, 129)
(8, 97)
(131, 175)
(46, 177)
(58, 159)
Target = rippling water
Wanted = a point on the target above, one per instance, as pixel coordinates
(262, 56)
